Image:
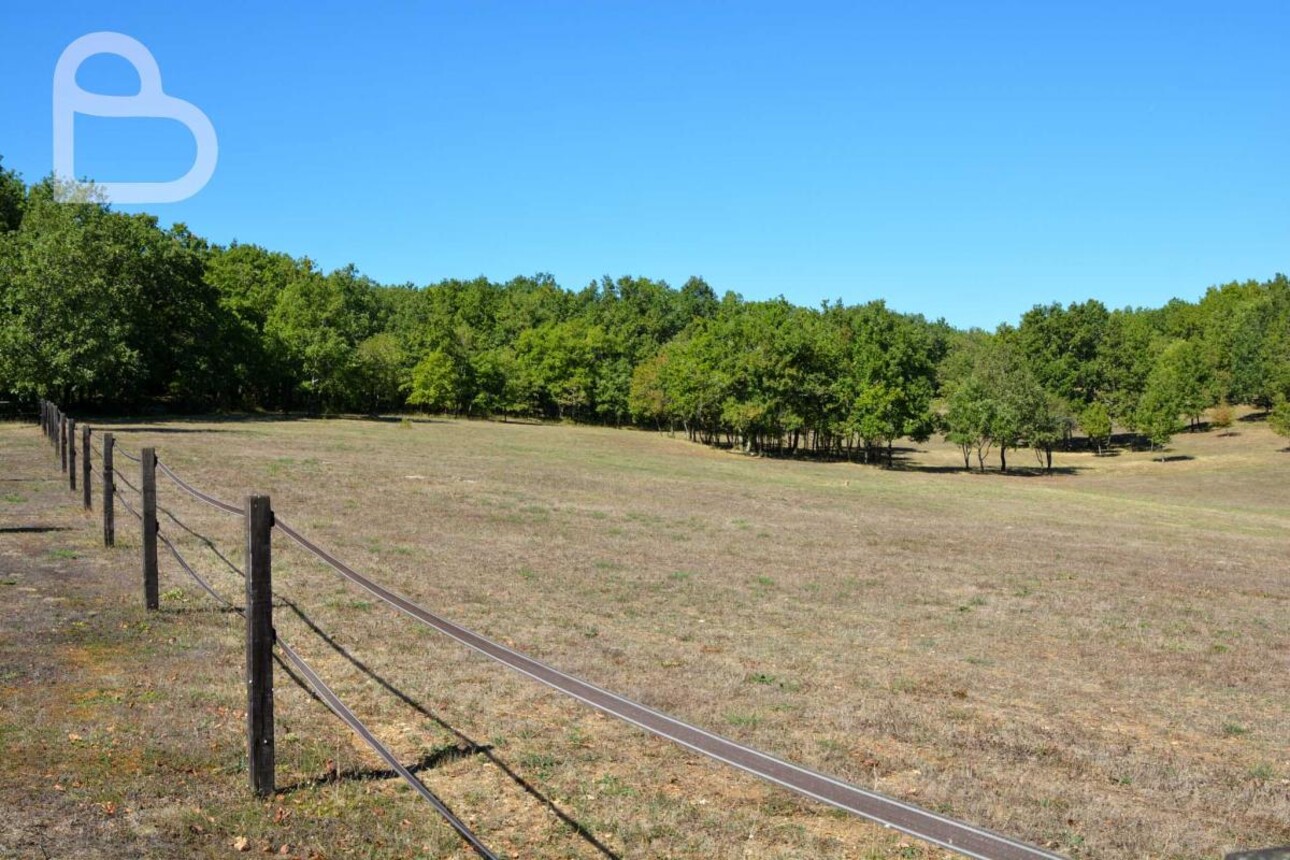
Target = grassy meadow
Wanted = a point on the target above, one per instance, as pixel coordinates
(1096, 661)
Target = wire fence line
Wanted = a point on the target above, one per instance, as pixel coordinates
(207, 542)
(198, 494)
(338, 707)
(196, 577)
(129, 507)
(328, 697)
(123, 479)
(957, 836)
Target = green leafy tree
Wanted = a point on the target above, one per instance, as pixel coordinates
(1061, 347)
(99, 305)
(1049, 424)
(1157, 415)
(319, 322)
(381, 375)
(1279, 418)
(249, 281)
(13, 199)
(1182, 371)
(440, 382)
(1096, 423)
(969, 418)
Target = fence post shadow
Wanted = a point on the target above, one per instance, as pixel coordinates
(465, 746)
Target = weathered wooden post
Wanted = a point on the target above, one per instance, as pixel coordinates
(148, 489)
(40, 413)
(259, 644)
(109, 488)
(62, 439)
(85, 468)
(71, 455)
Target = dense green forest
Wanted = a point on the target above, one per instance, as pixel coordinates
(105, 310)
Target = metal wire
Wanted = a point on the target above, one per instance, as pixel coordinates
(128, 506)
(958, 836)
(126, 454)
(125, 480)
(949, 833)
(205, 540)
(337, 707)
(206, 586)
(332, 701)
(198, 494)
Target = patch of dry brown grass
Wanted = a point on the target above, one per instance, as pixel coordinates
(1095, 662)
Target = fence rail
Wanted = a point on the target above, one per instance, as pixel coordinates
(260, 521)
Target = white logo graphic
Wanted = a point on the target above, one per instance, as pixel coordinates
(151, 102)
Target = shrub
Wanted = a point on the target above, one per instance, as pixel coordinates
(1221, 416)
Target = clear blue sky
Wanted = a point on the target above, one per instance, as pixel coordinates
(956, 160)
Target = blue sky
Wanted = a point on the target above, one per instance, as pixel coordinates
(955, 160)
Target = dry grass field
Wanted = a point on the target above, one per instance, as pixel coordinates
(1097, 661)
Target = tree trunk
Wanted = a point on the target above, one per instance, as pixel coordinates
(1003, 458)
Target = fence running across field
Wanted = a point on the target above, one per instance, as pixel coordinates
(260, 521)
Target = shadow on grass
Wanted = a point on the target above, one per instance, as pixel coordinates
(1013, 471)
(902, 463)
(148, 423)
(429, 761)
(465, 745)
(203, 609)
(138, 427)
(35, 530)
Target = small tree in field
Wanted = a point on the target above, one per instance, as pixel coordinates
(1096, 423)
(1279, 418)
(1157, 416)
(1220, 416)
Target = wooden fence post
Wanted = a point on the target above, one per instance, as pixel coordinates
(259, 644)
(62, 439)
(86, 465)
(109, 487)
(71, 455)
(148, 489)
(40, 413)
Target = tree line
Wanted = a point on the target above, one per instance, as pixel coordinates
(108, 310)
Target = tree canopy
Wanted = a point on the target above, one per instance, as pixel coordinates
(108, 309)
